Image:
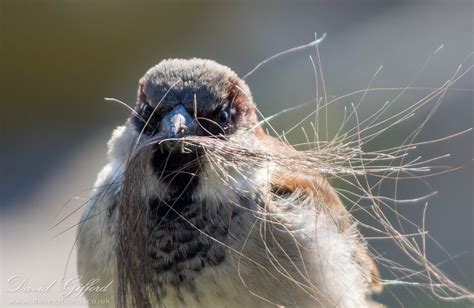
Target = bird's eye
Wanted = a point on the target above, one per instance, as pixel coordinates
(151, 122)
(146, 110)
(224, 117)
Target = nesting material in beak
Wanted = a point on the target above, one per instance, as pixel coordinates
(176, 124)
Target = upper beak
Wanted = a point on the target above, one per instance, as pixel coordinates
(177, 123)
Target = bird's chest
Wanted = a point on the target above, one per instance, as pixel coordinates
(186, 240)
(198, 255)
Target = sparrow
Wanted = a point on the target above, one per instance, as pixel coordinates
(197, 208)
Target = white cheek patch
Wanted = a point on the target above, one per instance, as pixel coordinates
(122, 142)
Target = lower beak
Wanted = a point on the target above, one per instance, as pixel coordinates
(177, 123)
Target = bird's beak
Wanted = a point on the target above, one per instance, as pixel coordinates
(177, 123)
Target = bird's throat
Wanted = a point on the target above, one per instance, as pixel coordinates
(177, 169)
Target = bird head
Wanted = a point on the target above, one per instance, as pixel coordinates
(196, 97)
(180, 100)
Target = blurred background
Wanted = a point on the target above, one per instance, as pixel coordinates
(59, 59)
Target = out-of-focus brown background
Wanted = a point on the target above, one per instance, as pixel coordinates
(59, 59)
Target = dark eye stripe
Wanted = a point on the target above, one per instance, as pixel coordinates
(219, 123)
(145, 110)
